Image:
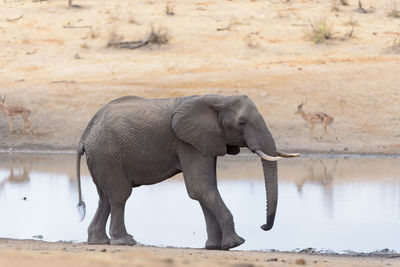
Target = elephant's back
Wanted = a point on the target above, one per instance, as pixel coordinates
(139, 112)
(126, 99)
(132, 123)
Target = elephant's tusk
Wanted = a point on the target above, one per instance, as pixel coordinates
(266, 157)
(288, 155)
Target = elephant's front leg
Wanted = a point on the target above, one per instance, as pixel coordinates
(214, 234)
(200, 180)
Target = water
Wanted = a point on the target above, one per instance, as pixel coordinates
(326, 203)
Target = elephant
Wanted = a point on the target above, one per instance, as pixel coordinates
(134, 141)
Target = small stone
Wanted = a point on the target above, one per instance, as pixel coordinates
(300, 262)
(169, 261)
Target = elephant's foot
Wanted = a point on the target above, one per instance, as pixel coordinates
(231, 242)
(125, 240)
(98, 239)
(213, 245)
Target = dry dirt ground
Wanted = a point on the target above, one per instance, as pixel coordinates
(55, 61)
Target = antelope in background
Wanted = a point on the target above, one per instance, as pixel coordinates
(15, 111)
(314, 118)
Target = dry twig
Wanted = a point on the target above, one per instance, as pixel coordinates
(63, 81)
(15, 19)
(225, 28)
(76, 27)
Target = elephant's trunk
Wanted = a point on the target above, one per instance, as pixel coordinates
(260, 141)
(271, 187)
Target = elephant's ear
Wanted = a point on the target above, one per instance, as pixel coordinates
(195, 121)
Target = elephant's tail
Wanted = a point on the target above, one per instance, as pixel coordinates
(81, 204)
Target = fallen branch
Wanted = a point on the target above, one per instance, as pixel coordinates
(63, 81)
(31, 52)
(224, 28)
(12, 20)
(131, 44)
(76, 27)
(153, 37)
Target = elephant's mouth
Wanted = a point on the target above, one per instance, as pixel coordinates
(238, 142)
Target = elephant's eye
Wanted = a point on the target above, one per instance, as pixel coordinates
(242, 123)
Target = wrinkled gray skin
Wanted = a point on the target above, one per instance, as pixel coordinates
(133, 141)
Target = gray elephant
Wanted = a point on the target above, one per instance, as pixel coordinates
(134, 141)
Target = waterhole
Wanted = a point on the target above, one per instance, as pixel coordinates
(326, 203)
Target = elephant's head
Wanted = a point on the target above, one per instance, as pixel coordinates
(219, 125)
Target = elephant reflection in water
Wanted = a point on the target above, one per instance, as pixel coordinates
(19, 176)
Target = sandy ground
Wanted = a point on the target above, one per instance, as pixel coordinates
(54, 60)
(36, 253)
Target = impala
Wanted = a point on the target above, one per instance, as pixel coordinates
(15, 111)
(314, 118)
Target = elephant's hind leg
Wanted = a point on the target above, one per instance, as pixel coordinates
(111, 180)
(119, 235)
(97, 228)
(121, 190)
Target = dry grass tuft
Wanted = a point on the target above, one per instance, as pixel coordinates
(300, 261)
(395, 45)
(94, 33)
(169, 9)
(320, 31)
(84, 45)
(334, 6)
(159, 35)
(352, 22)
(114, 37)
(251, 41)
(132, 19)
(394, 12)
